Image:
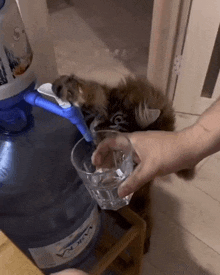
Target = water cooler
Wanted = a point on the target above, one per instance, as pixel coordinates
(44, 206)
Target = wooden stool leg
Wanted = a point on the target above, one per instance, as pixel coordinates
(112, 254)
(132, 240)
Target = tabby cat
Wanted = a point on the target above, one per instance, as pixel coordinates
(132, 105)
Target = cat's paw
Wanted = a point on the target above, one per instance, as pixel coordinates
(66, 88)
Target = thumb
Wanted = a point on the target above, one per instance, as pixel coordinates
(136, 180)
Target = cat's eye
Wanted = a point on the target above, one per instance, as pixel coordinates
(118, 119)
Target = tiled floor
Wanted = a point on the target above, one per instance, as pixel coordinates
(90, 35)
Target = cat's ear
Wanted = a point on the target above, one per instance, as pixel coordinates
(145, 116)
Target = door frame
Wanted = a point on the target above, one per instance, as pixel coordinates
(168, 31)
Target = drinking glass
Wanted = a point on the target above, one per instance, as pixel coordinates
(102, 183)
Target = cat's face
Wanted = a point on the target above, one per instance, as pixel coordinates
(117, 118)
(123, 115)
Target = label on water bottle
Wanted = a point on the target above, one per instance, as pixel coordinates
(68, 248)
(15, 51)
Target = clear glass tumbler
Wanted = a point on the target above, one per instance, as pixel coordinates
(102, 183)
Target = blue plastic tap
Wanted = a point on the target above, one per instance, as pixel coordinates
(66, 110)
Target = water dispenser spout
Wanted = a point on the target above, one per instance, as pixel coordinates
(64, 109)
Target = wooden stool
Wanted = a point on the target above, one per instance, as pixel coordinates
(124, 255)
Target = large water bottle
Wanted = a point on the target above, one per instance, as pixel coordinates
(44, 206)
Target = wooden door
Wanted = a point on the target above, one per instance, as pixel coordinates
(198, 82)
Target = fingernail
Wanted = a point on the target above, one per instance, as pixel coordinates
(96, 160)
(122, 192)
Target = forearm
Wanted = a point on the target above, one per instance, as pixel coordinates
(204, 136)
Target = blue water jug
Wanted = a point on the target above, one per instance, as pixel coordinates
(44, 207)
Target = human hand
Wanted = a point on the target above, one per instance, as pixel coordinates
(70, 271)
(157, 153)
